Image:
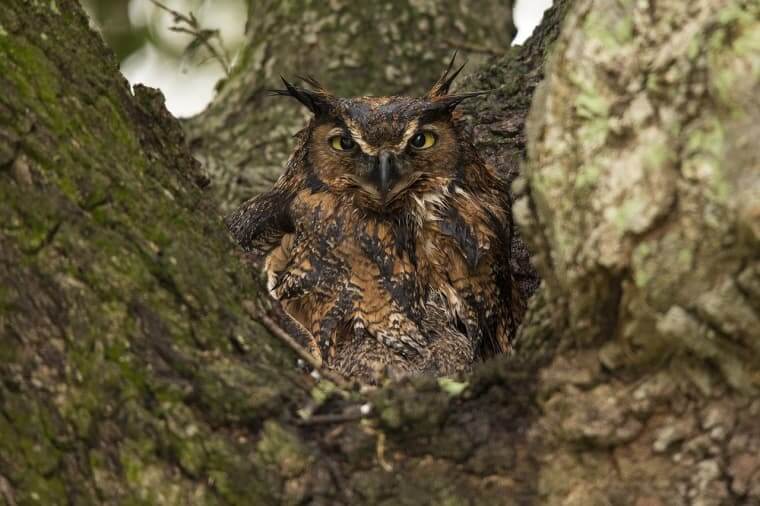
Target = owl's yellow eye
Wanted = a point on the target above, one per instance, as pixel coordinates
(342, 143)
(423, 140)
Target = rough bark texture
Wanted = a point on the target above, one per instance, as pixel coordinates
(643, 204)
(382, 47)
(498, 120)
(126, 363)
(129, 373)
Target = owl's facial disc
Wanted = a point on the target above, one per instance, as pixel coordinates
(380, 170)
(385, 155)
(389, 172)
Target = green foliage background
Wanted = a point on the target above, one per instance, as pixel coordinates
(126, 35)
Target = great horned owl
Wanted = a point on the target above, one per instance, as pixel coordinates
(387, 237)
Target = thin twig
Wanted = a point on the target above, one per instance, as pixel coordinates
(200, 36)
(204, 40)
(178, 16)
(6, 492)
(473, 48)
(286, 338)
(348, 416)
(380, 451)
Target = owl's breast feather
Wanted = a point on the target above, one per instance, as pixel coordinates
(342, 269)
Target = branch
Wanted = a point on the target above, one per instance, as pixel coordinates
(258, 316)
(201, 37)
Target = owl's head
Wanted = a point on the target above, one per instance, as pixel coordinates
(379, 151)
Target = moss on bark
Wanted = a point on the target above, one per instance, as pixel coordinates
(119, 307)
(641, 200)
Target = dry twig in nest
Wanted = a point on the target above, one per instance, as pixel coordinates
(259, 316)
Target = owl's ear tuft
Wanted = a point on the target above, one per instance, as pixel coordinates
(442, 86)
(439, 97)
(451, 101)
(317, 100)
(445, 104)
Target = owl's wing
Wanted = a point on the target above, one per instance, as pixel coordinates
(480, 224)
(509, 301)
(503, 303)
(260, 223)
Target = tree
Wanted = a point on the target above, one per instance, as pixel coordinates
(131, 373)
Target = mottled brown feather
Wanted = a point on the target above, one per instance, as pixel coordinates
(411, 280)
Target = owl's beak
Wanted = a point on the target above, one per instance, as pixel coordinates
(386, 172)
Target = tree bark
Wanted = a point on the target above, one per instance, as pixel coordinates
(130, 372)
(641, 200)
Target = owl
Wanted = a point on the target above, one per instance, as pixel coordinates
(387, 237)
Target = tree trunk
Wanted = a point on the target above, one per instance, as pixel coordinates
(642, 201)
(130, 372)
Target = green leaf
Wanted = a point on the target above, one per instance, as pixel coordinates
(452, 387)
